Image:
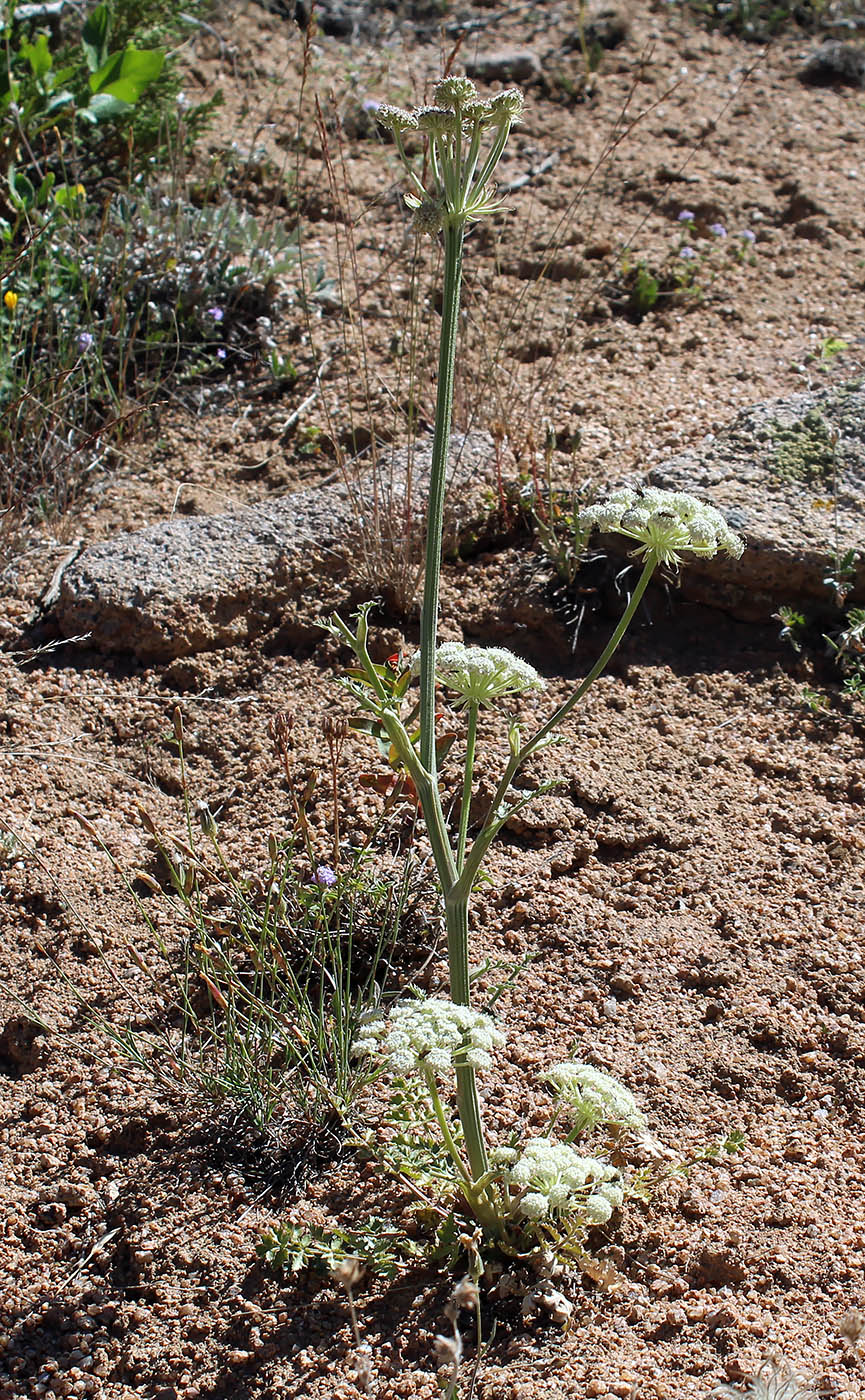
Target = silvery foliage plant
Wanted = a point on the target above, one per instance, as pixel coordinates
(539, 1189)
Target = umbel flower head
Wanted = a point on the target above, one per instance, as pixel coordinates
(554, 1180)
(431, 1034)
(481, 675)
(666, 524)
(455, 128)
(594, 1097)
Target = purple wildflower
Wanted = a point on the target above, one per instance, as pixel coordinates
(748, 235)
(215, 313)
(371, 104)
(85, 342)
(686, 216)
(687, 252)
(221, 352)
(324, 877)
(718, 230)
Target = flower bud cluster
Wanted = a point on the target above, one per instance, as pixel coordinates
(667, 524)
(594, 1097)
(454, 128)
(553, 1180)
(481, 675)
(431, 1034)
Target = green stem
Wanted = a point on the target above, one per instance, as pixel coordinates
(471, 867)
(444, 1126)
(600, 665)
(478, 1200)
(471, 739)
(457, 925)
(453, 235)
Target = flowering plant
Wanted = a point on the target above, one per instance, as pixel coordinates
(541, 1182)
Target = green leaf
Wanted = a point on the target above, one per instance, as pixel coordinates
(94, 37)
(103, 107)
(137, 67)
(38, 55)
(59, 99)
(67, 196)
(21, 192)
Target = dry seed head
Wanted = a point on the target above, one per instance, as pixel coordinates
(347, 1272)
(449, 1350)
(279, 729)
(465, 1294)
(428, 217)
(335, 729)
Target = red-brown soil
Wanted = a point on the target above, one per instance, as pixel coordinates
(693, 892)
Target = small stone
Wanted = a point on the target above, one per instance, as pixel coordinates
(505, 66)
(835, 62)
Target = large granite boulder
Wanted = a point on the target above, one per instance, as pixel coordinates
(789, 474)
(187, 585)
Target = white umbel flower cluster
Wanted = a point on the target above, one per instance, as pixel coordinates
(594, 1097)
(667, 524)
(554, 1181)
(431, 1034)
(481, 675)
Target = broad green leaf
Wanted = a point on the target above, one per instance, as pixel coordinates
(136, 66)
(123, 89)
(94, 37)
(21, 191)
(103, 107)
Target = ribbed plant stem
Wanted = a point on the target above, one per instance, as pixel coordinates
(468, 1103)
(453, 236)
(471, 740)
(456, 915)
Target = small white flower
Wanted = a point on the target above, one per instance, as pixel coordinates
(431, 1034)
(554, 1180)
(395, 118)
(454, 90)
(503, 1156)
(534, 1206)
(597, 1209)
(481, 675)
(667, 524)
(507, 105)
(594, 1097)
(437, 121)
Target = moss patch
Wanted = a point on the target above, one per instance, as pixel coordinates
(804, 451)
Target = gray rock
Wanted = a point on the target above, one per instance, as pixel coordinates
(774, 473)
(505, 66)
(835, 62)
(605, 26)
(195, 584)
